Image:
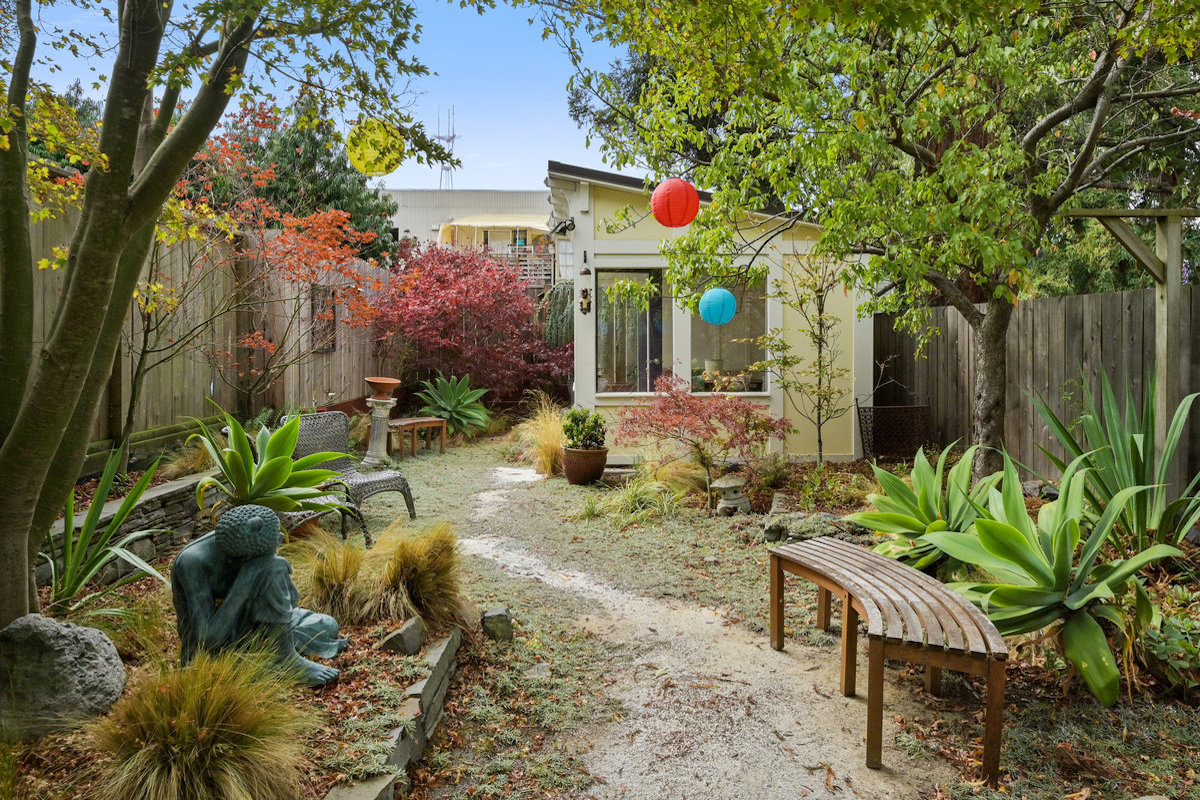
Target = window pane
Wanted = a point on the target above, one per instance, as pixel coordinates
(632, 344)
(715, 354)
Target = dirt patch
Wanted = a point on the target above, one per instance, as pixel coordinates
(709, 710)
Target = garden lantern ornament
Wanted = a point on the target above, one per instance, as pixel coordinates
(717, 306)
(674, 203)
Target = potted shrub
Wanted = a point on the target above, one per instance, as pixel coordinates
(584, 454)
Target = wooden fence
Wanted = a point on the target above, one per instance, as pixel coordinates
(180, 388)
(1049, 341)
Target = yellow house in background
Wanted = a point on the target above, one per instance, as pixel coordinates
(621, 349)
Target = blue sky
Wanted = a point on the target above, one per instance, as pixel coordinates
(506, 85)
(508, 90)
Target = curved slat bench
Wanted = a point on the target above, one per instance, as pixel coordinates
(910, 617)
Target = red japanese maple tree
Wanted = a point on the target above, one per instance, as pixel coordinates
(710, 428)
(462, 313)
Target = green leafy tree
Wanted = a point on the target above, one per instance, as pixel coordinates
(159, 54)
(942, 150)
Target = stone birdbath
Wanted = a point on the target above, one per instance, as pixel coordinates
(732, 500)
(381, 403)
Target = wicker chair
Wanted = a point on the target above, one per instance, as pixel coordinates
(327, 431)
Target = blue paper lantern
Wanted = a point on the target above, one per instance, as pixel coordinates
(717, 306)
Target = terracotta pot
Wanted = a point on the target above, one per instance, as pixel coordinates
(583, 466)
(383, 387)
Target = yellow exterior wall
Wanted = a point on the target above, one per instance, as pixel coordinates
(639, 240)
(838, 434)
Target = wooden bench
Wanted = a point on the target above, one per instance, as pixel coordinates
(397, 429)
(910, 617)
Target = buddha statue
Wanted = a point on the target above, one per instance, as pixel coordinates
(230, 588)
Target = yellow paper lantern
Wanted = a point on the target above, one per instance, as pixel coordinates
(375, 147)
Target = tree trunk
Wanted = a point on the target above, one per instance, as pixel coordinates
(991, 375)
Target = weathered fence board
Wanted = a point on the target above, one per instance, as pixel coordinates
(180, 388)
(1049, 341)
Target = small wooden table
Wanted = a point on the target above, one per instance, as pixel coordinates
(397, 429)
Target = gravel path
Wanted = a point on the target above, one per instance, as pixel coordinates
(710, 711)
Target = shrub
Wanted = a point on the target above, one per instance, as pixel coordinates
(328, 576)
(583, 429)
(223, 728)
(465, 314)
(268, 477)
(416, 572)
(1040, 576)
(909, 512)
(1119, 451)
(541, 435)
(88, 549)
(453, 400)
(712, 429)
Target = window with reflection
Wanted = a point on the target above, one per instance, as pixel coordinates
(633, 344)
(719, 360)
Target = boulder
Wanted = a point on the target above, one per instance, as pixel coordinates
(797, 526)
(54, 675)
(408, 639)
(497, 624)
(1039, 489)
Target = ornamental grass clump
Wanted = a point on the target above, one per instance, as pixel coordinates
(416, 572)
(541, 435)
(328, 576)
(223, 728)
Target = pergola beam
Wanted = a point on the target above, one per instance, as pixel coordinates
(1148, 260)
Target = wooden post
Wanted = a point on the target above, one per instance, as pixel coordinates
(1171, 355)
(776, 572)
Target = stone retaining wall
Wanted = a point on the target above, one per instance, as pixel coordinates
(170, 506)
(422, 709)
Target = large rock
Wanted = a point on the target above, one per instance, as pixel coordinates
(797, 526)
(497, 624)
(54, 675)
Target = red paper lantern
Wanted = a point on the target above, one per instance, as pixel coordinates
(674, 203)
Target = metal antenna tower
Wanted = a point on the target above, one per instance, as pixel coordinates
(446, 179)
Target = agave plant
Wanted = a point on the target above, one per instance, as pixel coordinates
(453, 400)
(1120, 451)
(927, 506)
(1042, 577)
(269, 478)
(88, 549)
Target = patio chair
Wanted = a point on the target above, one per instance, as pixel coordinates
(327, 431)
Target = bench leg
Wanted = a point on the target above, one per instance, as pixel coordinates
(823, 598)
(849, 646)
(443, 439)
(933, 680)
(776, 601)
(875, 705)
(993, 722)
(414, 442)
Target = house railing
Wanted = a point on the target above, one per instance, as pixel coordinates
(535, 263)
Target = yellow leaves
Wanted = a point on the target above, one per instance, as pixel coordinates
(860, 120)
(59, 260)
(941, 89)
(972, 81)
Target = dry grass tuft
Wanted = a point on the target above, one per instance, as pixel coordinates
(223, 728)
(681, 474)
(144, 628)
(360, 431)
(416, 572)
(328, 575)
(187, 459)
(541, 435)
